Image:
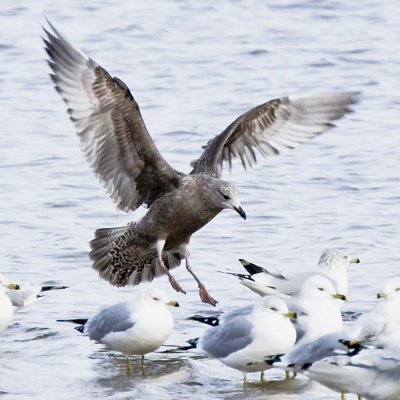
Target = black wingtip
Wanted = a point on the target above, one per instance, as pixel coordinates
(271, 360)
(80, 321)
(192, 344)
(212, 321)
(52, 287)
(250, 267)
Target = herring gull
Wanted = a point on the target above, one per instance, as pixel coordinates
(123, 156)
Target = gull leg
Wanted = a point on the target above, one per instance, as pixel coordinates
(142, 365)
(204, 296)
(343, 396)
(160, 262)
(262, 378)
(245, 381)
(128, 366)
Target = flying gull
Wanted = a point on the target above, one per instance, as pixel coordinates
(124, 158)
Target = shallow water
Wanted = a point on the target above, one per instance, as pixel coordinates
(193, 67)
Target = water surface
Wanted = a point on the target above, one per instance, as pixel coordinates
(193, 67)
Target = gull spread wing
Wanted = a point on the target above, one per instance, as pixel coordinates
(279, 124)
(112, 133)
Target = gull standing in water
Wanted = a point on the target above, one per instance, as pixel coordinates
(124, 158)
(333, 263)
(134, 327)
(6, 310)
(372, 373)
(245, 336)
(23, 295)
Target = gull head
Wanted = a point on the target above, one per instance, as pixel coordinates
(319, 287)
(335, 259)
(225, 195)
(153, 295)
(391, 290)
(274, 305)
(5, 284)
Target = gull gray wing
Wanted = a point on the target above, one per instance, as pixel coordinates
(383, 360)
(278, 124)
(108, 121)
(237, 312)
(308, 353)
(116, 318)
(232, 336)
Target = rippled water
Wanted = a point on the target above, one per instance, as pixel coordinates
(193, 67)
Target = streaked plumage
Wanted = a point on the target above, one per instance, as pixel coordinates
(123, 156)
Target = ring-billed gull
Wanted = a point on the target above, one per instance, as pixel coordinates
(381, 325)
(246, 336)
(123, 156)
(372, 373)
(317, 308)
(6, 310)
(333, 263)
(23, 295)
(137, 327)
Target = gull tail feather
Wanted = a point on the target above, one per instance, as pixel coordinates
(80, 321)
(192, 344)
(212, 321)
(122, 257)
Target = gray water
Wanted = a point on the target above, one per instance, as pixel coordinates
(193, 67)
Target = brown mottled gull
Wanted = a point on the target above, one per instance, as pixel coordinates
(125, 159)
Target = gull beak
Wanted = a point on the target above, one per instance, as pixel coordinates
(339, 296)
(351, 344)
(13, 286)
(381, 295)
(354, 261)
(172, 304)
(290, 314)
(240, 211)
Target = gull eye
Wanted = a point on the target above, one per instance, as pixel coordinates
(321, 289)
(398, 289)
(273, 309)
(156, 298)
(224, 196)
(345, 257)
